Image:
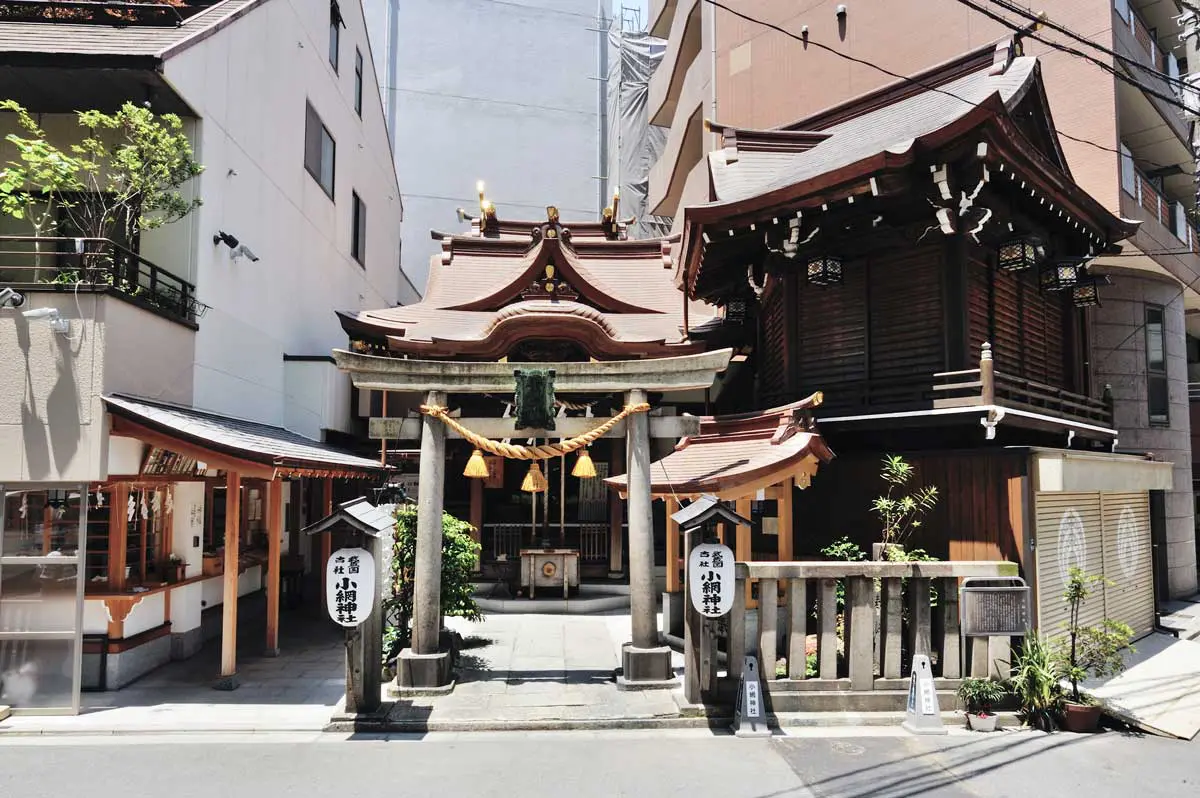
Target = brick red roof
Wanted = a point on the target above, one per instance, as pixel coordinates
(734, 455)
(616, 298)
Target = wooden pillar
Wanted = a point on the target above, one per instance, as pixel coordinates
(233, 513)
(326, 536)
(693, 633)
(616, 511)
(118, 535)
(476, 515)
(786, 541)
(742, 551)
(274, 519)
(673, 571)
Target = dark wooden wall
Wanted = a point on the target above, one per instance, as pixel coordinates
(882, 325)
(979, 515)
(898, 319)
(1031, 331)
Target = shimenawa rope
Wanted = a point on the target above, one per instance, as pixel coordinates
(543, 452)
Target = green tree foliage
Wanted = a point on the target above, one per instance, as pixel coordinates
(459, 553)
(900, 512)
(1089, 650)
(121, 177)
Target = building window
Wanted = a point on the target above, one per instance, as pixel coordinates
(320, 150)
(1128, 175)
(358, 230)
(335, 25)
(1157, 393)
(358, 81)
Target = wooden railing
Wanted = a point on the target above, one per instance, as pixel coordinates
(965, 388)
(54, 263)
(925, 628)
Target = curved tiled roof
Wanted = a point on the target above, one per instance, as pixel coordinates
(734, 455)
(618, 297)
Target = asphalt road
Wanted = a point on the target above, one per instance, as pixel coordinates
(587, 765)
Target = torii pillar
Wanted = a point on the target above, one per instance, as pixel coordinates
(643, 661)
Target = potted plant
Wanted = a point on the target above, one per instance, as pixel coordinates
(1087, 651)
(1035, 680)
(899, 513)
(174, 568)
(979, 695)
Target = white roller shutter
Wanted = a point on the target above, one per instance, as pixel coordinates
(1106, 534)
(1069, 532)
(1127, 560)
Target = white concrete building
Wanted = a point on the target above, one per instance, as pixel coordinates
(231, 312)
(504, 92)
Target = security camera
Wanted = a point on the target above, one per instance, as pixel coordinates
(224, 238)
(10, 298)
(242, 249)
(59, 325)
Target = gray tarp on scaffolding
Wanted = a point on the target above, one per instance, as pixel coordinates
(634, 144)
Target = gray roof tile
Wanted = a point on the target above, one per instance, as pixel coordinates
(66, 38)
(249, 439)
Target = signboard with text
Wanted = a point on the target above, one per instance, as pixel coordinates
(711, 579)
(350, 586)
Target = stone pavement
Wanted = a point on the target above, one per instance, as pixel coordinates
(1183, 616)
(518, 670)
(297, 691)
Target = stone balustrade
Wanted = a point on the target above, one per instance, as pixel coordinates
(880, 637)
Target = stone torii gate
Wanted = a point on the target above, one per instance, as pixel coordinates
(643, 659)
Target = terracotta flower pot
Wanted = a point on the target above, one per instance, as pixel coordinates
(982, 723)
(1081, 717)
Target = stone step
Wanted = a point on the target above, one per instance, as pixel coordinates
(843, 685)
(4, 712)
(849, 700)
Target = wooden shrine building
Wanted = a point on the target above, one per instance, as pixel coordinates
(923, 258)
(540, 292)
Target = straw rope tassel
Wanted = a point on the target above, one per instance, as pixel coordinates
(543, 452)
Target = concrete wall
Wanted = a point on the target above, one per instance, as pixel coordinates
(52, 422)
(248, 83)
(318, 397)
(1119, 359)
(493, 91)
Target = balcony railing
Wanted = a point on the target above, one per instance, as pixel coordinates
(53, 263)
(981, 387)
(1170, 214)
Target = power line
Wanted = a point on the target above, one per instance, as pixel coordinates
(1043, 19)
(1109, 68)
(808, 41)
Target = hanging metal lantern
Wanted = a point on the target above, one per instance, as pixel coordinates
(1086, 293)
(825, 270)
(735, 311)
(1018, 254)
(1061, 275)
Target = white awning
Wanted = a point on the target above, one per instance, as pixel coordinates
(1082, 472)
